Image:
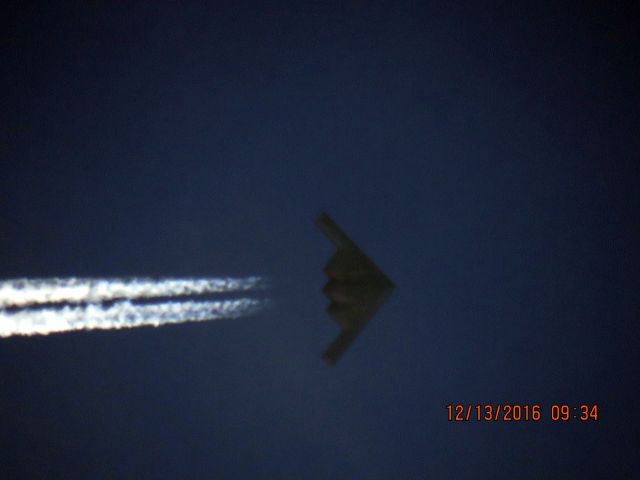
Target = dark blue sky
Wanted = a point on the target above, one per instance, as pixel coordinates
(486, 159)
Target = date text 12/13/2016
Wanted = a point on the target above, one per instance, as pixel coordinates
(521, 412)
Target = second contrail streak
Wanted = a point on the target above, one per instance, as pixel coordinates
(122, 314)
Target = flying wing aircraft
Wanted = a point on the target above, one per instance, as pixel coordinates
(356, 288)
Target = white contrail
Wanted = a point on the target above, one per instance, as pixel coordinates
(26, 292)
(122, 314)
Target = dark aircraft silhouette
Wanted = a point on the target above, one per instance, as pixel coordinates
(356, 288)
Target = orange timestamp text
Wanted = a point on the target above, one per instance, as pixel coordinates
(505, 412)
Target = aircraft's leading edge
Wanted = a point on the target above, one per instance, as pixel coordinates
(356, 288)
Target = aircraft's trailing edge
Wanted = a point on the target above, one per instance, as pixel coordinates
(356, 288)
